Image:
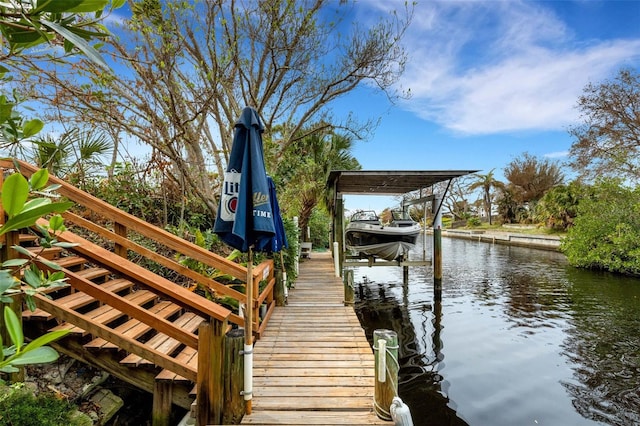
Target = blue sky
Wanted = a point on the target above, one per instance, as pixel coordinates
(491, 80)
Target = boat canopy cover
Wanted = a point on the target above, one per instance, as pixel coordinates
(388, 182)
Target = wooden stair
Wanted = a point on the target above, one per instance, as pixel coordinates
(123, 318)
(78, 304)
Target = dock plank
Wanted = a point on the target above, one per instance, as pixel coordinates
(313, 364)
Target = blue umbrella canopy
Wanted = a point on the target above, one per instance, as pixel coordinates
(245, 216)
(279, 240)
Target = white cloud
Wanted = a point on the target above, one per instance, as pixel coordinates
(482, 67)
(557, 154)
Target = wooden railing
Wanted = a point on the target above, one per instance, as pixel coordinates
(118, 227)
(123, 225)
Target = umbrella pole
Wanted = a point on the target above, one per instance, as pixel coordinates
(248, 336)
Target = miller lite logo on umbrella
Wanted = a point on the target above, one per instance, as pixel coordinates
(229, 198)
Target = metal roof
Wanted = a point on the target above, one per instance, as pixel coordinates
(387, 182)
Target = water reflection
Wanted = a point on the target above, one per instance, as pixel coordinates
(518, 337)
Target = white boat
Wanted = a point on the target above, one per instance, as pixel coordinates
(366, 235)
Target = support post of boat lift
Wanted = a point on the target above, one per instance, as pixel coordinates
(338, 231)
(437, 244)
(296, 261)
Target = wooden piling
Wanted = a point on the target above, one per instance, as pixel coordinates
(233, 372)
(385, 345)
(210, 377)
(437, 259)
(348, 287)
(278, 290)
(161, 409)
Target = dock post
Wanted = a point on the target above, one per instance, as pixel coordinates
(348, 287)
(296, 259)
(233, 372)
(385, 346)
(210, 379)
(278, 290)
(336, 259)
(437, 244)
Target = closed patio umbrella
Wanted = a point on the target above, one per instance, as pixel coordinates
(245, 218)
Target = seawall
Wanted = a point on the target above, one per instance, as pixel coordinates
(544, 242)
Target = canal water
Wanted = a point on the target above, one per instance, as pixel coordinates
(519, 337)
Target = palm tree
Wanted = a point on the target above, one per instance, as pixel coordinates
(305, 168)
(76, 152)
(486, 183)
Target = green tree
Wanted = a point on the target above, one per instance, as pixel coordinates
(486, 183)
(606, 230)
(192, 67)
(73, 155)
(558, 207)
(302, 176)
(607, 143)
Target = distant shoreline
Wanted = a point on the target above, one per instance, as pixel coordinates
(537, 241)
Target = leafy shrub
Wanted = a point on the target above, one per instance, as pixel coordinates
(606, 230)
(473, 222)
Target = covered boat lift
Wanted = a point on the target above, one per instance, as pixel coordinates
(390, 182)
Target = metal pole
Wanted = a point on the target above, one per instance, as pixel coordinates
(437, 244)
(248, 337)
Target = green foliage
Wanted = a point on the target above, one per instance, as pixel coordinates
(28, 23)
(606, 231)
(558, 207)
(474, 222)
(19, 407)
(320, 226)
(19, 354)
(290, 253)
(24, 212)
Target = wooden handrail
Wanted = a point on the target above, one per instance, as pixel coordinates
(133, 223)
(179, 294)
(123, 221)
(169, 263)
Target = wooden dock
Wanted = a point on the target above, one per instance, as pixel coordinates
(314, 365)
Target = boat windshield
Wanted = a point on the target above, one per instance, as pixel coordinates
(368, 216)
(400, 215)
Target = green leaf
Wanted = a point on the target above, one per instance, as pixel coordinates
(56, 222)
(50, 264)
(8, 369)
(22, 250)
(41, 355)
(73, 6)
(35, 203)
(32, 127)
(65, 245)
(31, 304)
(5, 111)
(14, 327)
(45, 339)
(7, 281)
(39, 179)
(52, 188)
(33, 278)
(15, 191)
(81, 44)
(12, 263)
(29, 218)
